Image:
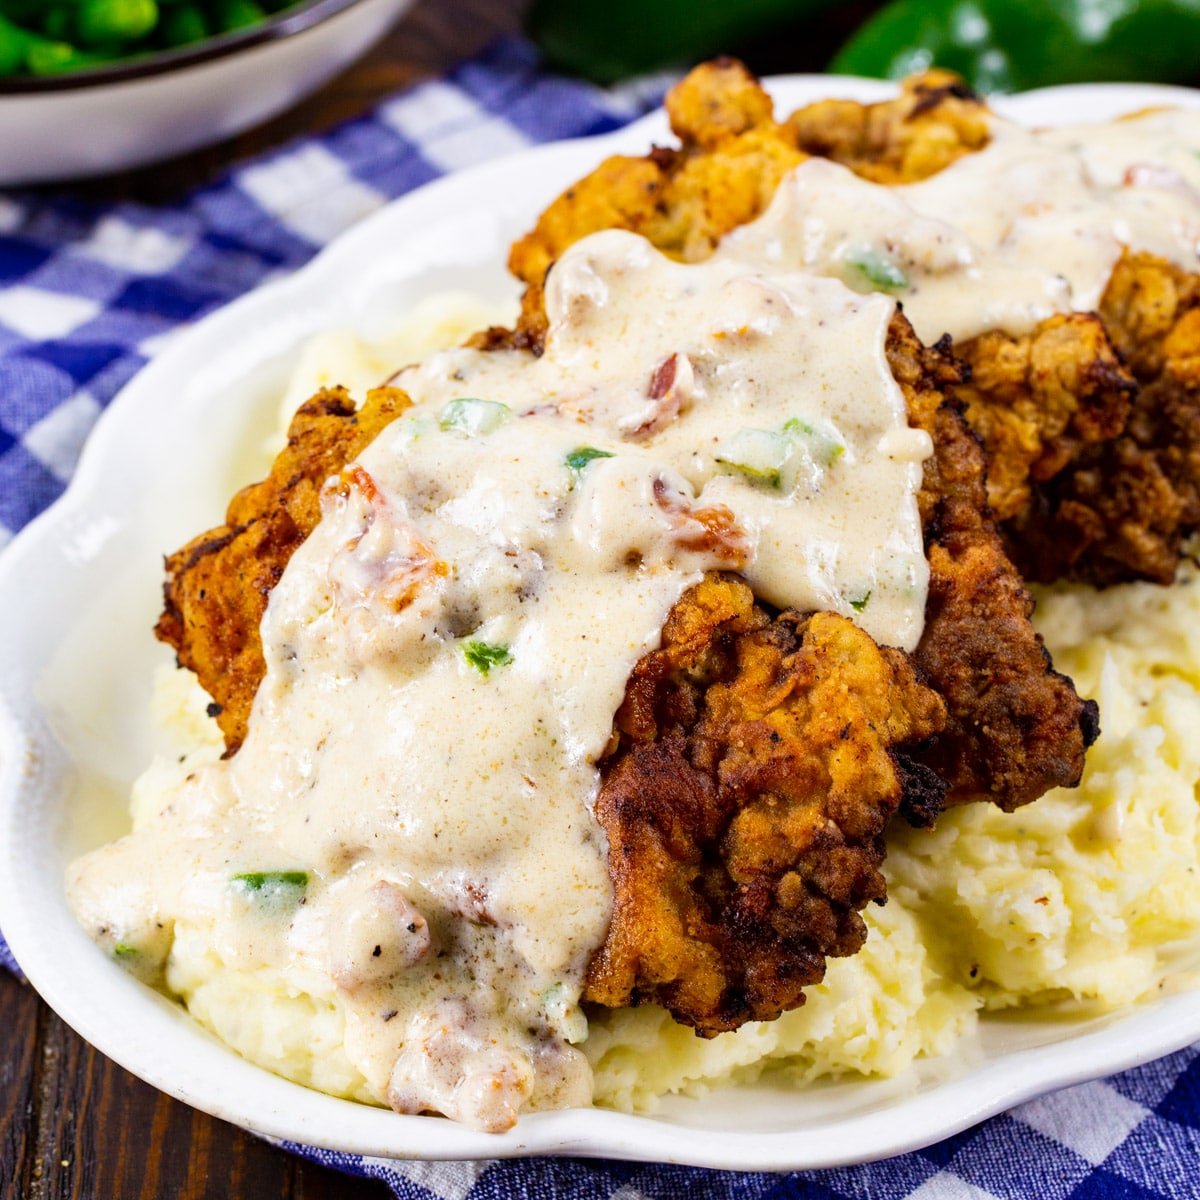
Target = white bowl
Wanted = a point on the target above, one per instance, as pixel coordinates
(79, 591)
(129, 114)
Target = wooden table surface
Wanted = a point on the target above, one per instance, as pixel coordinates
(72, 1123)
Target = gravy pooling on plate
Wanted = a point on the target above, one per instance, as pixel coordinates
(409, 815)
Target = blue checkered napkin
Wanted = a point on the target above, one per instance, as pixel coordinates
(88, 293)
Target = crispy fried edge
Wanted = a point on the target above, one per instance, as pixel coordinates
(218, 585)
(758, 765)
(1126, 507)
(1016, 727)
(934, 121)
(1038, 400)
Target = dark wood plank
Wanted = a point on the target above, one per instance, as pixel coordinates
(74, 1126)
(19, 1062)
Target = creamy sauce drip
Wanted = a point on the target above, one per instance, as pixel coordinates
(446, 651)
(1030, 226)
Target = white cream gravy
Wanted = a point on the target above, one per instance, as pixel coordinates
(1001, 239)
(457, 882)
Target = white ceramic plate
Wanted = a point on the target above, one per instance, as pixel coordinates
(79, 591)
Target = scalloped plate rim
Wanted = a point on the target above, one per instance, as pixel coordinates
(282, 1111)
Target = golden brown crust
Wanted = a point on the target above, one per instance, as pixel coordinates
(1037, 400)
(745, 806)
(1015, 727)
(731, 158)
(935, 120)
(1124, 508)
(217, 585)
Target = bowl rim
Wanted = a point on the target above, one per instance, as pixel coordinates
(291, 21)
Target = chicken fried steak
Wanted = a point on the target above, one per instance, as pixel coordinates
(758, 755)
(757, 758)
(758, 762)
(1091, 422)
(1016, 727)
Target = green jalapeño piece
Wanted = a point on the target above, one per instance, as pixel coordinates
(273, 885)
(473, 418)
(483, 656)
(758, 455)
(822, 442)
(872, 269)
(582, 455)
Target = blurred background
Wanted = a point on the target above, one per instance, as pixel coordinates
(96, 88)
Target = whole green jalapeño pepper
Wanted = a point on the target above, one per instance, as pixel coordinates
(608, 40)
(1011, 45)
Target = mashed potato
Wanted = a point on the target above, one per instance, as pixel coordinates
(1074, 901)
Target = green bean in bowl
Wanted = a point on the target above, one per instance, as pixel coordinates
(52, 37)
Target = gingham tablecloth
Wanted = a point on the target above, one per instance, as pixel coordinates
(89, 293)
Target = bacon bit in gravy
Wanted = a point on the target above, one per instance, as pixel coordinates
(710, 529)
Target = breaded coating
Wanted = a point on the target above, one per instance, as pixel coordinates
(1125, 507)
(1037, 400)
(218, 585)
(1015, 727)
(732, 157)
(733, 154)
(935, 120)
(759, 761)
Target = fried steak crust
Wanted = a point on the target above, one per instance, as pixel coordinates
(758, 756)
(1039, 400)
(759, 760)
(1126, 507)
(217, 586)
(935, 120)
(1016, 727)
(732, 157)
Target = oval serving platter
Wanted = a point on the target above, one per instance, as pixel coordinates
(79, 591)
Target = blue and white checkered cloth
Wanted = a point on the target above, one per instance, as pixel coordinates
(88, 294)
